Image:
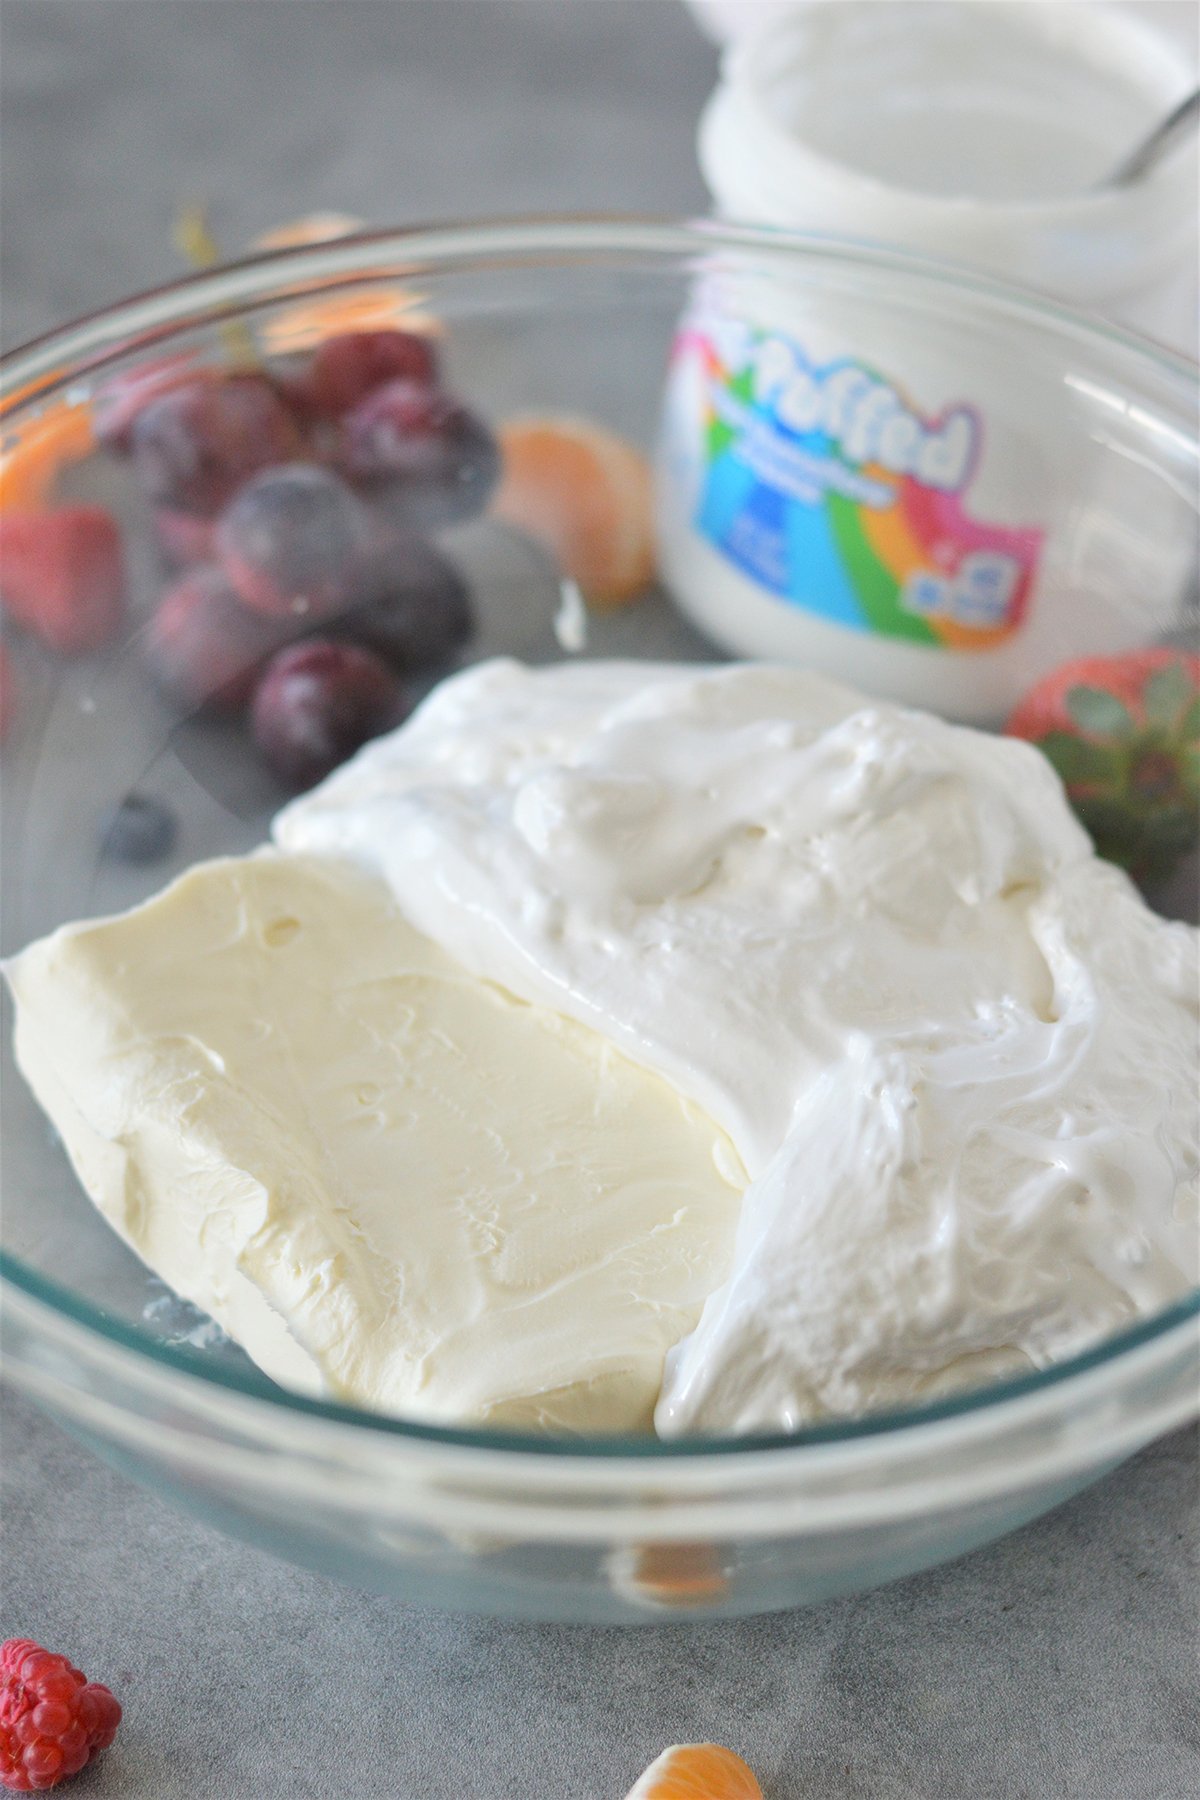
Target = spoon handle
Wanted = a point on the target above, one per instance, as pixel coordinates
(1161, 141)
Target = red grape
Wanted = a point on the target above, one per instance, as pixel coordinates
(289, 541)
(317, 703)
(203, 647)
(344, 369)
(422, 455)
(409, 605)
(194, 446)
(119, 400)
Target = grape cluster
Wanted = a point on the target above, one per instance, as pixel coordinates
(292, 508)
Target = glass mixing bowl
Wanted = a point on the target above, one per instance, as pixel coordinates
(546, 316)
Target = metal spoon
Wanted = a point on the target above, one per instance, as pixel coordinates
(1161, 141)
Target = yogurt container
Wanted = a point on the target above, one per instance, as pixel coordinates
(896, 494)
(980, 133)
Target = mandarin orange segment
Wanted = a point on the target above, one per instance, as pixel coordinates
(38, 449)
(672, 1574)
(313, 228)
(310, 322)
(587, 496)
(696, 1772)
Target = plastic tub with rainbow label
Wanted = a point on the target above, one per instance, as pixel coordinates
(902, 497)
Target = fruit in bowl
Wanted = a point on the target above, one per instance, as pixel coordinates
(193, 446)
(62, 576)
(288, 542)
(1123, 732)
(317, 703)
(423, 457)
(285, 500)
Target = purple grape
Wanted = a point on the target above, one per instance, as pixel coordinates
(344, 369)
(409, 605)
(194, 445)
(317, 703)
(122, 398)
(185, 539)
(204, 648)
(420, 454)
(290, 540)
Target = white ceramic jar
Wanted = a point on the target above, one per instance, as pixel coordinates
(973, 131)
(893, 501)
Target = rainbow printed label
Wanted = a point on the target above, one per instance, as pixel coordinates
(828, 488)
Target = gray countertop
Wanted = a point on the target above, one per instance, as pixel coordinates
(1062, 1661)
(1058, 1665)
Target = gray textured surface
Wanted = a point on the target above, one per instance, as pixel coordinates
(116, 111)
(1059, 1665)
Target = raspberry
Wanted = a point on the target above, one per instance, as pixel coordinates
(52, 1719)
(62, 575)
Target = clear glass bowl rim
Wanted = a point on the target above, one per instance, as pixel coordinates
(38, 369)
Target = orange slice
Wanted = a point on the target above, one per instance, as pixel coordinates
(38, 449)
(669, 1575)
(310, 322)
(313, 228)
(588, 496)
(696, 1772)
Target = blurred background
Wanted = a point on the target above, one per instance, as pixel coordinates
(116, 112)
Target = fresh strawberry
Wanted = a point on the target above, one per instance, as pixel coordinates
(1124, 734)
(62, 575)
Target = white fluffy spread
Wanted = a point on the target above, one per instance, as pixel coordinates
(956, 1053)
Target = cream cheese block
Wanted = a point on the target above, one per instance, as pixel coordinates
(388, 1179)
